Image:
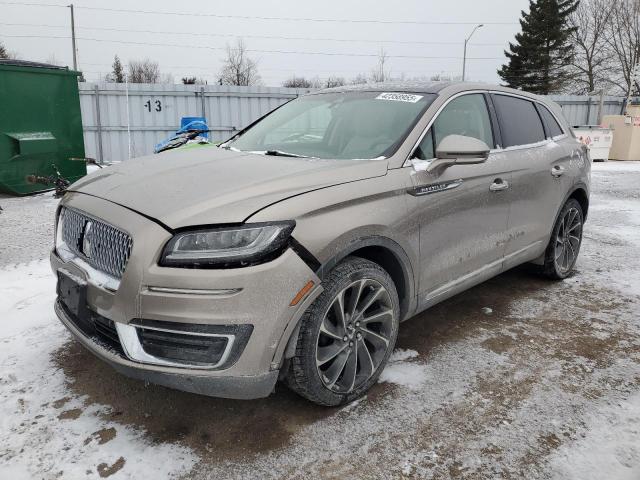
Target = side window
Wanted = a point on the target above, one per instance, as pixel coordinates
(520, 123)
(425, 150)
(466, 115)
(551, 124)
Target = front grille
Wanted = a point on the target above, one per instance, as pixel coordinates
(108, 248)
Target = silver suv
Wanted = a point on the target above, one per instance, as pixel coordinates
(295, 249)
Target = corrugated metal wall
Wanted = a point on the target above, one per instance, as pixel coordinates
(583, 110)
(154, 112)
(114, 132)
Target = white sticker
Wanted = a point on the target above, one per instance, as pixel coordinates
(399, 97)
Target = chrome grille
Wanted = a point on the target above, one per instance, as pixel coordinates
(110, 248)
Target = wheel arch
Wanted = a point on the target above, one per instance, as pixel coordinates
(390, 256)
(381, 250)
(580, 194)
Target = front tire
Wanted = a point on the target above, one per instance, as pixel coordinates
(346, 335)
(564, 245)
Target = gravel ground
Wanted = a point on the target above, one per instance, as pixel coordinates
(26, 226)
(517, 378)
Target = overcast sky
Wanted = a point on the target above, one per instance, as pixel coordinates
(363, 27)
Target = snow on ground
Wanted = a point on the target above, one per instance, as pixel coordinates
(47, 433)
(516, 378)
(403, 372)
(609, 449)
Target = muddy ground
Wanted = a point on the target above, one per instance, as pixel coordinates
(519, 377)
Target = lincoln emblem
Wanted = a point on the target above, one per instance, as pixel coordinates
(86, 239)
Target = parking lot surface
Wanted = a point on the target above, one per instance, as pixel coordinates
(519, 377)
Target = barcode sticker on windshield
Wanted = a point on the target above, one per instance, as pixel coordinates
(399, 97)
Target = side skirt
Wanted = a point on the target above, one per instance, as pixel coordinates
(476, 277)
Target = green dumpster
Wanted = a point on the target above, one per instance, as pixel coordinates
(40, 126)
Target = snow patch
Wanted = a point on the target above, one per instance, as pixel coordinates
(401, 354)
(47, 432)
(401, 372)
(609, 449)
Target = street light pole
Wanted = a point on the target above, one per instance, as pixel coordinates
(464, 57)
(73, 38)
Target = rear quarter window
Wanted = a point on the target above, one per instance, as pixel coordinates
(519, 121)
(550, 122)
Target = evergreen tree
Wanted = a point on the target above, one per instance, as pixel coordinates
(542, 53)
(118, 71)
(3, 52)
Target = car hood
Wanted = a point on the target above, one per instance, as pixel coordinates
(211, 185)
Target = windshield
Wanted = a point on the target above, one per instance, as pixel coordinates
(347, 125)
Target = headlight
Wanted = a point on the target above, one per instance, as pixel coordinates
(226, 246)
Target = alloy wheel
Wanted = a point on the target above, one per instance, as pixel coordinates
(354, 335)
(568, 240)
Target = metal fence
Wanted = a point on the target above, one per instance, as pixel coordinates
(122, 122)
(583, 110)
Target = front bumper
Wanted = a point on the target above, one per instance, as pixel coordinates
(259, 296)
(238, 387)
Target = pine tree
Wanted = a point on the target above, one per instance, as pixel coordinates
(3, 52)
(542, 53)
(118, 71)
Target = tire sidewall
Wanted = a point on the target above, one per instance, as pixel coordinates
(550, 263)
(347, 272)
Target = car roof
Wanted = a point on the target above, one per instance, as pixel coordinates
(439, 88)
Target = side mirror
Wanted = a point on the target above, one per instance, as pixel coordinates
(459, 150)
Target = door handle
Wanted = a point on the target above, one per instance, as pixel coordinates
(498, 185)
(557, 171)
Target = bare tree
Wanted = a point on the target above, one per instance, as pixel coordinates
(238, 68)
(590, 65)
(166, 78)
(143, 71)
(334, 82)
(53, 60)
(316, 82)
(381, 73)
(444, 77)
(359, 79)
(623, 42)
(297, 82)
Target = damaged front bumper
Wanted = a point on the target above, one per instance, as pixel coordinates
(242, 318)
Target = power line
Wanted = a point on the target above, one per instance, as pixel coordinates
(209, 70)
(24, 4)
(274, 37)
(286, 52)
(256, 17)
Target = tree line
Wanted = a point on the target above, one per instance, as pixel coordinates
(571, 46)
(564, 46)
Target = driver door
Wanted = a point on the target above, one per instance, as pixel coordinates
(462, 210)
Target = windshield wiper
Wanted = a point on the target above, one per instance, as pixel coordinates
(228, 147)
(280, 153)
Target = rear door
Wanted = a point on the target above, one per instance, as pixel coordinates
(462, 216)
(538, 164)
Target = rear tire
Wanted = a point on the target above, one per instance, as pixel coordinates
(564, 246)
(346, 335)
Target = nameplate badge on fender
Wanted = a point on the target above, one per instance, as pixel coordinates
(435, 188)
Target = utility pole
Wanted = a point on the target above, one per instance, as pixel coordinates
(73, 39)
(464, 57)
